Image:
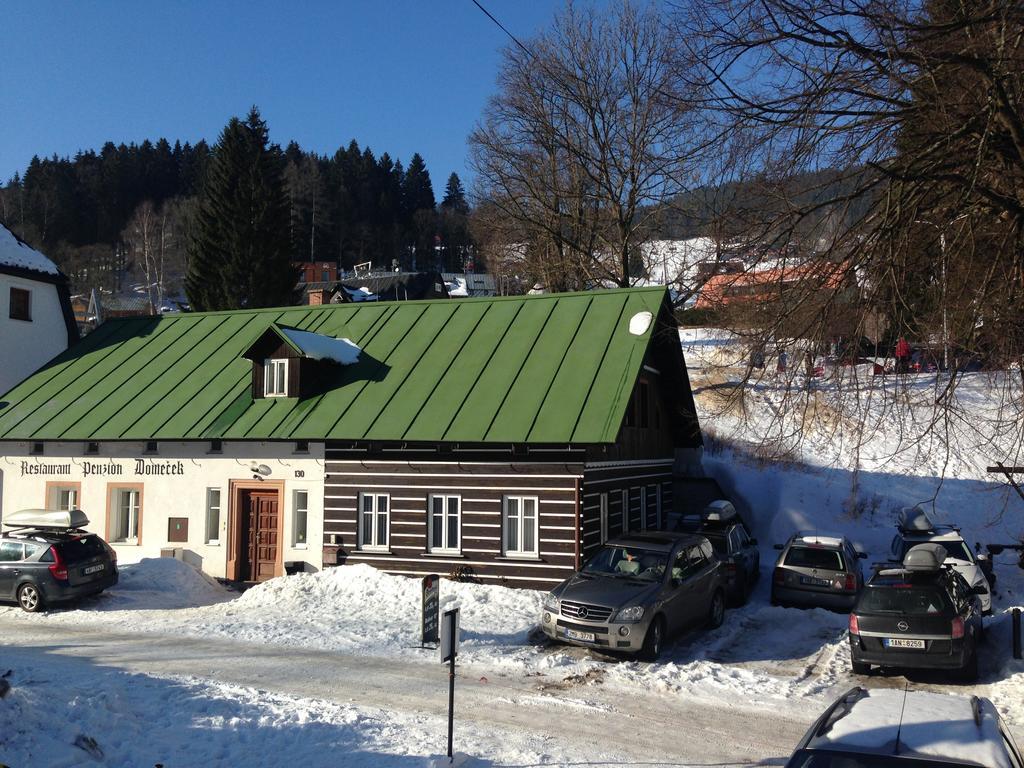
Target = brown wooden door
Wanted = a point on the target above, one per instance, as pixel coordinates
(260, 535)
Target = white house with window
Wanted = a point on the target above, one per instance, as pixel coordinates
(36, 321)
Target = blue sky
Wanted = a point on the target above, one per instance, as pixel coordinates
(397, 75)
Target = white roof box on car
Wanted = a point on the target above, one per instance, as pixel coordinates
(925, 557)
(820, 539)
(46, 518)
(719, 511)
(914, 519)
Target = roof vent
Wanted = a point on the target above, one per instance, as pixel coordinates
(640, 322)
(925, 557)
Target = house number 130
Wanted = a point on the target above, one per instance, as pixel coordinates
(300, 473)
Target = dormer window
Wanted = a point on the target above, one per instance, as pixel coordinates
(275, 378)
(288, 362)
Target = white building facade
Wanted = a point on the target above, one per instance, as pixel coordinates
(198, 498)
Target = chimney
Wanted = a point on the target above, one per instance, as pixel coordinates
(319, 296)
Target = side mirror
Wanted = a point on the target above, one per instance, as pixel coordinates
(676, 583)
(780, 547)
(752, 542)
(979, 590)
(862, 555)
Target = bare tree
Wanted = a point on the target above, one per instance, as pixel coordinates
(155, 244)
(887, 141)
(593, 128)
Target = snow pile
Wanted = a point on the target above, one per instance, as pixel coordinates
(160, 583)
(359, 609)
(14, 253)
(319, 347)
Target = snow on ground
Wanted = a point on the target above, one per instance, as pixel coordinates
(64, 712)
(14, 253)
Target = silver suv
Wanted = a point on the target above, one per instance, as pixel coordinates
(887, 728)
(635, 592)
(817, 570)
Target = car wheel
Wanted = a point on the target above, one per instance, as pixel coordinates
(860, 668)
(716, 615)
(653, 640)
(29, 598)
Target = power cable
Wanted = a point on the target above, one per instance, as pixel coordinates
(503, 29)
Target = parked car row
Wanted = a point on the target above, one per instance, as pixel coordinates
(924, 608)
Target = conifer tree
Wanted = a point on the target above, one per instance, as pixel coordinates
(239, 249)
(455, 195)
(420, 214)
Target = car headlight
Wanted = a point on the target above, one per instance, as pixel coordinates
(632, 613)
(551, 602)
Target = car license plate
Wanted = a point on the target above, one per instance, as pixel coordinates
(903, 642)
(93, 569)
(815, 582)
(586, 637)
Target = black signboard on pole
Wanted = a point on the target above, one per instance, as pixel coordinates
(449, 650)
(431, 607)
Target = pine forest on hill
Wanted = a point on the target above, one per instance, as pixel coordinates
(96, 213)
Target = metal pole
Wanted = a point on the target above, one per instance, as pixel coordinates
(451, 688)
(1017, 633)
(945, 327)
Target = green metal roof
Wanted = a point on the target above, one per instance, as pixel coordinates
(557, 368)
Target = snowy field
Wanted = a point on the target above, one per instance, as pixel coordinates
(792, 661)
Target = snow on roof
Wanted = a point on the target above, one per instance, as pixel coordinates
(360, 294)
(320, 347)
(14, 253)
(457, 288)
(935, 725)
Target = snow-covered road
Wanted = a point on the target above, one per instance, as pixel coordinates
(541, 717)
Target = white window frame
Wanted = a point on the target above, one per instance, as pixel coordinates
(445, 547)
(519, 552)
(56, 491)
(625, 510)
(134, 516)
(304, 509)
(374, 545)
(271, 378)
(603, 516)
(213, 531)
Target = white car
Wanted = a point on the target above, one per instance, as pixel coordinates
(915, 527)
